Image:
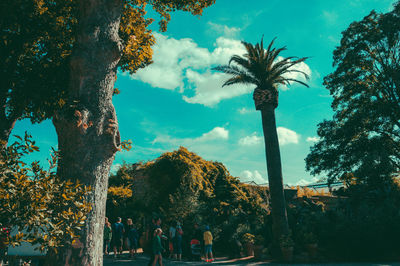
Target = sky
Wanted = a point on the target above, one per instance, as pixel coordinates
(179, 100)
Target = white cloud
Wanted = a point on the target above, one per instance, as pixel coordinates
(217, 133)
(304, 182)
(181, 64)
(209, 90)
(223, 29)
(287, 136)
(251, 140)
(312, 139)
(255, 176)
(115, 167)
(244, 111)
(296, 75)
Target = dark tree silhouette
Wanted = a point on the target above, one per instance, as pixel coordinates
(363, 138)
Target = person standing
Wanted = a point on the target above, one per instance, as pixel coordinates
(172, 232)
(178, 241)
(107, 237)
(208, 238)
(118, 236)
(156, 224)
(133, 236)
(157, 247)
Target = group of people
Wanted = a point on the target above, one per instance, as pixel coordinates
(175, 240)
(118, 234)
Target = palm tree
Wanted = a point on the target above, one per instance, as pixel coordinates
(264, 69)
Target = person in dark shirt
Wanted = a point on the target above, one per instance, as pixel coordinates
(133, 237)
(118, 236)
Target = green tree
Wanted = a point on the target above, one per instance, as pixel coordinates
(362, 138)
(264, 69)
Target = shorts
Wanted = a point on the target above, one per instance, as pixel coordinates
(117, 242)
(157, 253)
(133, 243)
(208, 248)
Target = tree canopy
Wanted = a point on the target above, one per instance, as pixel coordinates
(37, 37)
(182, 186)
(363, 137)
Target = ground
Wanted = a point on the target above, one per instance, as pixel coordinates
(142, 260)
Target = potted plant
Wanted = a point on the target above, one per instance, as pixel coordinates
(248, 240)
(311, 243)
(258, 246)
(286, 243)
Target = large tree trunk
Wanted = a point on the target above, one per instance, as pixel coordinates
(279, 215)
(87, 128)
(6, 126)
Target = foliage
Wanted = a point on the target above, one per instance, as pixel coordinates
(263, 68)
(182, 186)
(45, 210)
(362, 139)
(37, 38)
(310, 238)
(248, 238)
(286, 241)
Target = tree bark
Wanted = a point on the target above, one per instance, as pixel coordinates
(278, 205)
(87, 128)
(7, 123)
(6, 126)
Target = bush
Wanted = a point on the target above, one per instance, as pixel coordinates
(50, 211)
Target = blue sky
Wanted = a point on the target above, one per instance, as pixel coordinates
(179, 101)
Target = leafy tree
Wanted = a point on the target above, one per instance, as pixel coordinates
(181, 185)
(362, 138)
(44, 209)
(264, 69)
(37, 41)
(86, 42)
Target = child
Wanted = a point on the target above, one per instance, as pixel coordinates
(157, 247)
(107, 236)
(207, 236)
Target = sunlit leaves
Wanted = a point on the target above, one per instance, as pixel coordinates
(49, 211)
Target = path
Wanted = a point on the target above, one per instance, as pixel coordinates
(142, 260)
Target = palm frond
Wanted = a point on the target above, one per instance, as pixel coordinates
(262, 67)
(288, 80)
(239, 60)
(239, 80)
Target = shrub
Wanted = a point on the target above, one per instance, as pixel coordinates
(35, 201)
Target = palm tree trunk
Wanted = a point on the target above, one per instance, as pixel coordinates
(278, 205)
(87, 127)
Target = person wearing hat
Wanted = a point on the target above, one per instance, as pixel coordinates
(208, 238)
